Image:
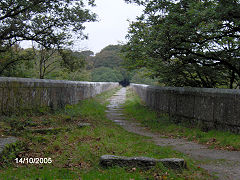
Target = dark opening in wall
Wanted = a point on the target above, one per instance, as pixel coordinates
(124, 83)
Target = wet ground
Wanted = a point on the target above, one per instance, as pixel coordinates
(224, 164)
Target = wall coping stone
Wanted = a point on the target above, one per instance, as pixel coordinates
(30, 82)
(191, 89)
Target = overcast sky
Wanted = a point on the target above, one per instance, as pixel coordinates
(112, 26)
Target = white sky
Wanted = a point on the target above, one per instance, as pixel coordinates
(112, 26)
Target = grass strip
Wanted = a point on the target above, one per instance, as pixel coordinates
(161, 123)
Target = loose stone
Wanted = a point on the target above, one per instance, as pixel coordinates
(80, 125)
(5, 141)
(143, 162)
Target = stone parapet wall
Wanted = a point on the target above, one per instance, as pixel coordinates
(207, 108)
(17, 94)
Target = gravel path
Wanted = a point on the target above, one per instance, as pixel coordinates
(224, 164)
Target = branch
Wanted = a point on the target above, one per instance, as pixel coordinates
(14, 12)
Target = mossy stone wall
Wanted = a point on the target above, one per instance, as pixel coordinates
(207, 108)
(18, 94)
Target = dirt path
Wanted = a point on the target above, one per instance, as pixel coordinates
(224, 164)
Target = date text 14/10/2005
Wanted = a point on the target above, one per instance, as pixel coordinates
(33, 160)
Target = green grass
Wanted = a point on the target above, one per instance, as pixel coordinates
(135, 109)
(76, 153)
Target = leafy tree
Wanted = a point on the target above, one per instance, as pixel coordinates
(72, 60)
(87, 53)
(15, 61)
(88, 57)
(203, 36)
(79, 75)
(45, 64)
(46, 60)
(106, 74)
(50, 23)
(141, 77)
(179, 73)
(108, 57)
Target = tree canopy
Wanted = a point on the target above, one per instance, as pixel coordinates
(187, 42)
(107, 65)
(50, 23)
(106, 74)
(108, 57)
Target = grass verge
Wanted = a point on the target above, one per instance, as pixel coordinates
(75, 152)
(161, 123)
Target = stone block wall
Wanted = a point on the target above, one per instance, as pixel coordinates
(17, 94)
(207, 108)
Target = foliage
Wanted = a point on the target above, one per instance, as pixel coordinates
(72, 60)
(47, 22)
(179, 73)
(14, 60)
(194, 37)
(141, 77)
(45, 64)
(71, 65)
(10, 152)
(51, 24)
(108, 57)
(45, 61)
(80, 75)
(106, 74)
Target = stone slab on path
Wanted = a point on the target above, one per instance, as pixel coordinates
(224, 164)
(143, 162)
(5, 141)
(81, 125)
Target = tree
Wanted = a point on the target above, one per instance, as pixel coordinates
(203, 36)
(108, 57)
(50, 23)
(88, 56)
(47, 22)
(72, 60)
(140, 77)
(87, 53)
(179, 73)
(15, 60)
(106, 74)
